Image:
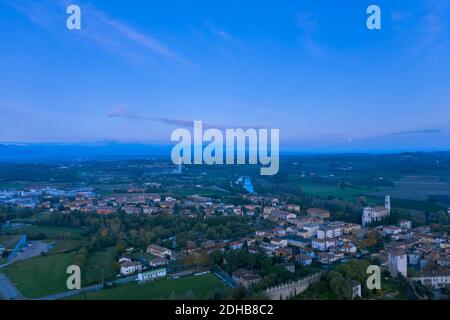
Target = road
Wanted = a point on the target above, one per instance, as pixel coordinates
(8, 290)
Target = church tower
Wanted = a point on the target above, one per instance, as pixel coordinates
(387, 204)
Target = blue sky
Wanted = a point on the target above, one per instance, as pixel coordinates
(312, 69)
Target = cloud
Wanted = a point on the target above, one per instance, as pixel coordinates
(97, 27)
(417, 132)
(434, 26)
(123, 111)
(309, 26)
(215, 30)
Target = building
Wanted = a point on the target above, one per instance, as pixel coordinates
(293, 207)
(435, 279)
(323, 244)
(407, 224)
(159, 251)
(376, 214)
(245, 278)
(355, 289)
(318, 213)
(303, 259)
(152, 275)
(157, 262)
(328, 232)
(392, 230)
(128, 268)
(397, 263)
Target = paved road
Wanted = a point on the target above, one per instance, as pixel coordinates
(96, 287)
(33, 249)
(8, 290)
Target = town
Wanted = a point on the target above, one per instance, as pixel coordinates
(274, 245)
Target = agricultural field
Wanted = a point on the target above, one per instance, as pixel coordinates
(418, 187)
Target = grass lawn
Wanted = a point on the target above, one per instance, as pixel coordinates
(98, 261)
(40, 276)
(62, 246)
(200, 286)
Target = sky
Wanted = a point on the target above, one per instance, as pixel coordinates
(138, 70)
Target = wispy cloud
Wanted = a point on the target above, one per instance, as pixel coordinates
(98, 28)
(123, 111)
(417, 132)
(309, 26)
(434, 26)
(215, 30)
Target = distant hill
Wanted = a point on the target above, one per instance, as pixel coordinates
(55, 151)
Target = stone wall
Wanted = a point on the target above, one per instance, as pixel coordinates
(289, 290)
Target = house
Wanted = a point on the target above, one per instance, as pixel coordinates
(311, 229)
(435, 279)
(124, 259)
(303, 259)
(443, 261)
(236, 245)
(290, 267)
(131, 210)
(128, 268)
(348, 248)
(159, 251)
(279, 242)
(284, 252)
(318, 213)
(328, 232)
(355, 289)
(157, 262)
(407, 224)
(268, 248)
(327, 257)
(151, 275)
(391, 230)
(284, 215)
(323, 244)
(293, 207)
(245, 278)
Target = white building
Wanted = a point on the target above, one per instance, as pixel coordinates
(435, 279)
(397, 263)
(159, 251)
(128, 268)
(311, 229)
(328, 232)
(391, 230)
(376, 214)
(152, 275)
(323, 244)
(407, 224)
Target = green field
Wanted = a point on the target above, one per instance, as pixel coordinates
(64, 245)
(332, 190)
(49, 232)
(40, 276)
(200, 286)
(98, 261)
